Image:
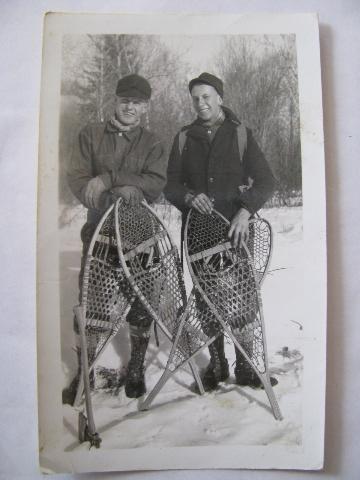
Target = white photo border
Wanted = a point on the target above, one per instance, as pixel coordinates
(309, 455)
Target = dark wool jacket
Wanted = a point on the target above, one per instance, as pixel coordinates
(215, 169)
(134, 158)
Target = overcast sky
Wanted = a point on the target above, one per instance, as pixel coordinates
(199, 51)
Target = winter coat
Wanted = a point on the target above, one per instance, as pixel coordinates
(214, 168)
(134, 158)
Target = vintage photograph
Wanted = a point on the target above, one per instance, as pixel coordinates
(181, 205)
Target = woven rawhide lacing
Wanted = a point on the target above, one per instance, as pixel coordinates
(260, 245)
(226, 276)
(153, 264)
(199, 327)
(106, 295)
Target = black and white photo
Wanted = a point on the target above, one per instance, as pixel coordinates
(182, 214)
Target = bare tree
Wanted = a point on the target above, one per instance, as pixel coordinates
(260, 75)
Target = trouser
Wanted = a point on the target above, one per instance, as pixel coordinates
(209, 324)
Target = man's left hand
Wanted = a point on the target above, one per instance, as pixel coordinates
(239, 228)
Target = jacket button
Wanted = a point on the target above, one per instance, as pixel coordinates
(211, 179)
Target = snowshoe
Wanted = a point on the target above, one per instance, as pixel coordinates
(84, 433)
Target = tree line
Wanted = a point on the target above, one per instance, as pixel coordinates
(259, 74)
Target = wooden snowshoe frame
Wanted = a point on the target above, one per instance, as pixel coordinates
(227, 280)
(196, 320)
(105, 301)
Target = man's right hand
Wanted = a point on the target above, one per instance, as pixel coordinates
(93, 191)
(201, 203)
(131, 195)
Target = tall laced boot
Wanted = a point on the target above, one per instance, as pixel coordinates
(218, 367)
(245, 375)
(135, 380)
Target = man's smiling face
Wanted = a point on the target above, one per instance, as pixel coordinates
(207, 102)
(128, 110)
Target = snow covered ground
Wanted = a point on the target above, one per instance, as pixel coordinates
(231, 415)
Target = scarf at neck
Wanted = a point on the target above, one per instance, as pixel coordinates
(120, 127)
(218, 121)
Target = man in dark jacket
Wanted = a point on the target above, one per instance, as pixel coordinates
(119, 158)
(215, 162)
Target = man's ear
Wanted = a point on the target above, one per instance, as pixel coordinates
(220, 100)
(144, 108)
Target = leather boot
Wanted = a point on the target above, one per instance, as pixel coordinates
(69, 393)
(245, 375)
(218, 367)
(135, 380)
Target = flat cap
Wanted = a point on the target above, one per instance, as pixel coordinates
(133, 86)
(208, 79)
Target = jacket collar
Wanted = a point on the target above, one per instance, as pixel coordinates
(197, 129)
(129, 135)
(230, 115)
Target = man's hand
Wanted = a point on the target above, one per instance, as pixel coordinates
(131, 195)
(200, 202)
(93, 191)
(239, 228)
